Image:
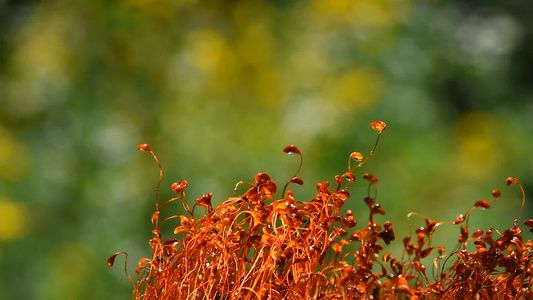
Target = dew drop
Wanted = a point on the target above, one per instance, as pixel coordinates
(291, 149)
(477, 234)
(144, 147)
(343, 194)
(357, 156)
(205, 201)
(369, 201)
(178, 187)
(143, 261)
(376, 209)
(184, 221)
(426, 252)
(172, 242)
(350, 176)
(260, 178)
(370, 178)
(529, 223)
(510, 181)
(111, 260)
(482, 204)
(459, 219)
(340, 232)
(155, 217)
(138, 270)
(297, 180)
(378, 125)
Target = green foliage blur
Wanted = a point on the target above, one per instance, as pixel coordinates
(218, 88)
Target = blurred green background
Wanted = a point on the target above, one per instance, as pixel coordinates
(218, 88)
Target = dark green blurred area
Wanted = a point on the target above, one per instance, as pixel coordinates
(218, 89)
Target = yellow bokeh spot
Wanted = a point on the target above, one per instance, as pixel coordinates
(378, 13)
(12, 220)
(208, 49)
(268, 88)
(358, 89)
(256, 47)
(478, 153)
(70, 263)
(42, 50)
(14, 157)
(213, 55)
(42, 63)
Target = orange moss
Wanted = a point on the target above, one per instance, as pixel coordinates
(257, 246)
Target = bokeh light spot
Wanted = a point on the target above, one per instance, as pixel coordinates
(12, 220)
(14, 157)
(478, 152)
(70, 263)
(358, 89)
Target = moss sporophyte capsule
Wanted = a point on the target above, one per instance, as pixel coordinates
(263, 244)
